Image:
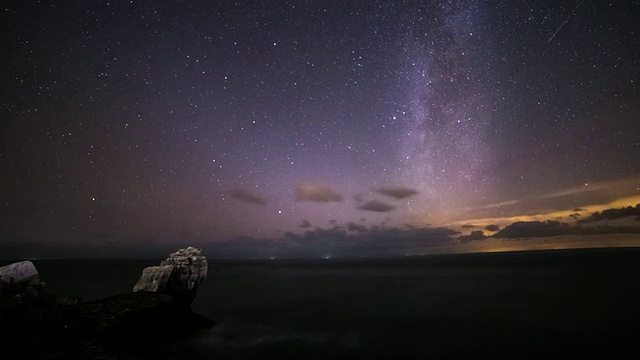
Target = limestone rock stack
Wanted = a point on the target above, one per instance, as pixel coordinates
(179, 275)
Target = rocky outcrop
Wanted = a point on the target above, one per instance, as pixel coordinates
(29, 316)
(114, 327)
(133, 321)
(179, 275)
(20, 273)
(22, 293)
(154, 279)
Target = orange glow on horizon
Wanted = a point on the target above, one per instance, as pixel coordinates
(561, 215)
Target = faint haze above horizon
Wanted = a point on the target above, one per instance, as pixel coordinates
(318, 128)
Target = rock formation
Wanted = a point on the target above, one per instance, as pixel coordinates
(23, 272)
(120, 325)
(154, 279)
(27, 311)
(179, 275)
(20, 287)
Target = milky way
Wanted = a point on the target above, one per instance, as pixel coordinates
(444, 103)
(152, 122)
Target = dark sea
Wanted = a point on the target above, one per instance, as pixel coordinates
(545, 304)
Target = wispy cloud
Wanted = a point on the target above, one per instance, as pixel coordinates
(589, 197)
(248, 197)
(316, 193)
(397, 192)
(569, 215)
(305, 224)
(377, 206)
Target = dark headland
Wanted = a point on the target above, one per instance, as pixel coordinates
(40, 325)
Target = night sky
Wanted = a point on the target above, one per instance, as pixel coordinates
(306, 127)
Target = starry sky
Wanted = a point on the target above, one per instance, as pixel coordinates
(264, 127)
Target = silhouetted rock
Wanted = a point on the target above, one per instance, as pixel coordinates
(29, 321)
(134, 317)
(118, 326)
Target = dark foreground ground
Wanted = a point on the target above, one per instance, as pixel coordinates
(551, 304)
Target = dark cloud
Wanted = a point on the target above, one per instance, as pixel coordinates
(305, 224)
(467, 226)
(393, 237)
(354, 240)
(396, 192)
(492, 227)
(318, 235)
(333, 222)
(555, 228)
(377, 206)
(534, 229)
(352, 226)
(578, 209)
(574, 216)
(248, 197)
(612, 214)
(316, 193)
(474, 236)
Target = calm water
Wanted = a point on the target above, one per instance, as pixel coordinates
(524, 305)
